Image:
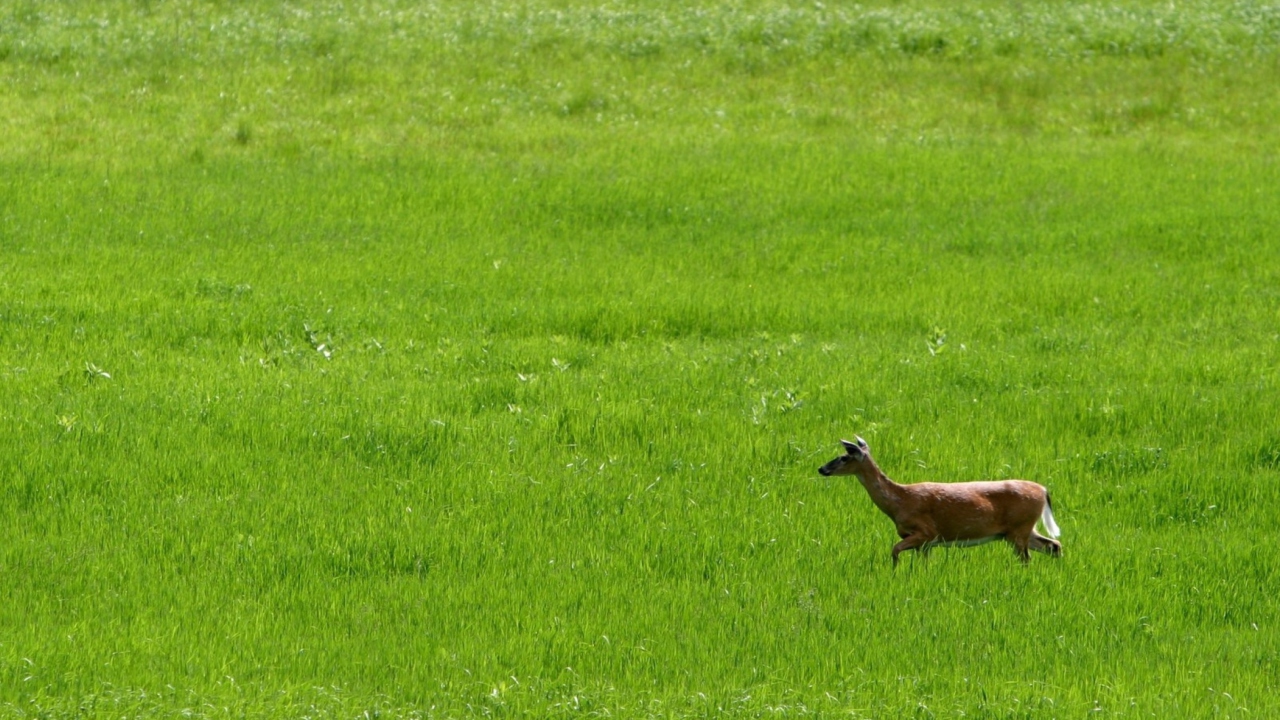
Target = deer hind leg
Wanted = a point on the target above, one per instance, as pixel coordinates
(1021, 541)
(1048, 546)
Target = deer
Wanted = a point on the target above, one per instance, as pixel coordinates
(960, 514)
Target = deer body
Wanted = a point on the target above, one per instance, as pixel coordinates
(955, 514)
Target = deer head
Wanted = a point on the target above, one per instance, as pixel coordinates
(856, 455)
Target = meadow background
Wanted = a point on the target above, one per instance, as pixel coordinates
(458, 359)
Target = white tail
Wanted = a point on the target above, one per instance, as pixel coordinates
(1046, 517)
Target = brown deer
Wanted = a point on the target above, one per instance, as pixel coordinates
(954, 514)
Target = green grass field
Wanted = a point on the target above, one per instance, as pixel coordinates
(476, 360)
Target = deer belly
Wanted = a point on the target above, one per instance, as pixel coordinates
(965, 543)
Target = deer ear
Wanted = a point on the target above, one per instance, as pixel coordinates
(851, 448)
(861, 443)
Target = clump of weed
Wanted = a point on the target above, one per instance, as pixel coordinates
(212, 287)
(583, 102)
(1266, 456)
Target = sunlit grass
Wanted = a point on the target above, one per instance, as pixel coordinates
(328, 393)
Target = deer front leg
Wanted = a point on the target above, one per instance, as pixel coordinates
(910, 542)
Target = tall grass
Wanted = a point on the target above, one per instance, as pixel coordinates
(324, 399)
(195, 80)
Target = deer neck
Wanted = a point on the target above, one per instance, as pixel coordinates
(885, 493)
